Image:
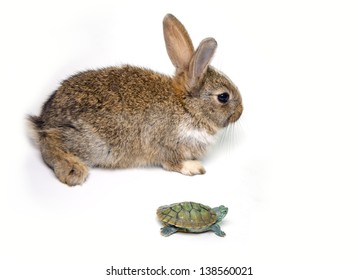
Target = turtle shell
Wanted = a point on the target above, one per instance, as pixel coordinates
(187, 215)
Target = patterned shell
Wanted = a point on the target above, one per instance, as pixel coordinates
(187, 215)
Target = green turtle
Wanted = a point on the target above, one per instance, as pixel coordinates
(191, 217)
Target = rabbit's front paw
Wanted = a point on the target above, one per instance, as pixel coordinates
(192, 167)
(71, 172)
(187, 167)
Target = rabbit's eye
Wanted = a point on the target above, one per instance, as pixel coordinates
(223, 97)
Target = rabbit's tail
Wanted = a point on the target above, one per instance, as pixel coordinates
(68, 167)
(34, 125)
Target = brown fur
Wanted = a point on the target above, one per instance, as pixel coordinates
(120, 117)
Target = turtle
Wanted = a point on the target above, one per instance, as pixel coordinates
(191, 217)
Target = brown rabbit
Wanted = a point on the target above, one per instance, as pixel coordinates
(119, 117)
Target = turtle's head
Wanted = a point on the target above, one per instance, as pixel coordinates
(221, 212)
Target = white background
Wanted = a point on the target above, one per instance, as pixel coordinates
(288, 173)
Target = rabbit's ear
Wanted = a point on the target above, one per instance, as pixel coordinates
(179, 46)
(200, 61)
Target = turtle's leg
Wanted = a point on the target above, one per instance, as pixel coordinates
(168, 230)
(216, 228)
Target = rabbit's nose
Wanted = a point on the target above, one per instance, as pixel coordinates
(237, 114)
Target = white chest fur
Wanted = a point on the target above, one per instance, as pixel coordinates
(195, 136)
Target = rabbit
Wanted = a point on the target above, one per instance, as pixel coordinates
(122, 117)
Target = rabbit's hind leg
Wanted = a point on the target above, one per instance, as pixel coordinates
(68, 168)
